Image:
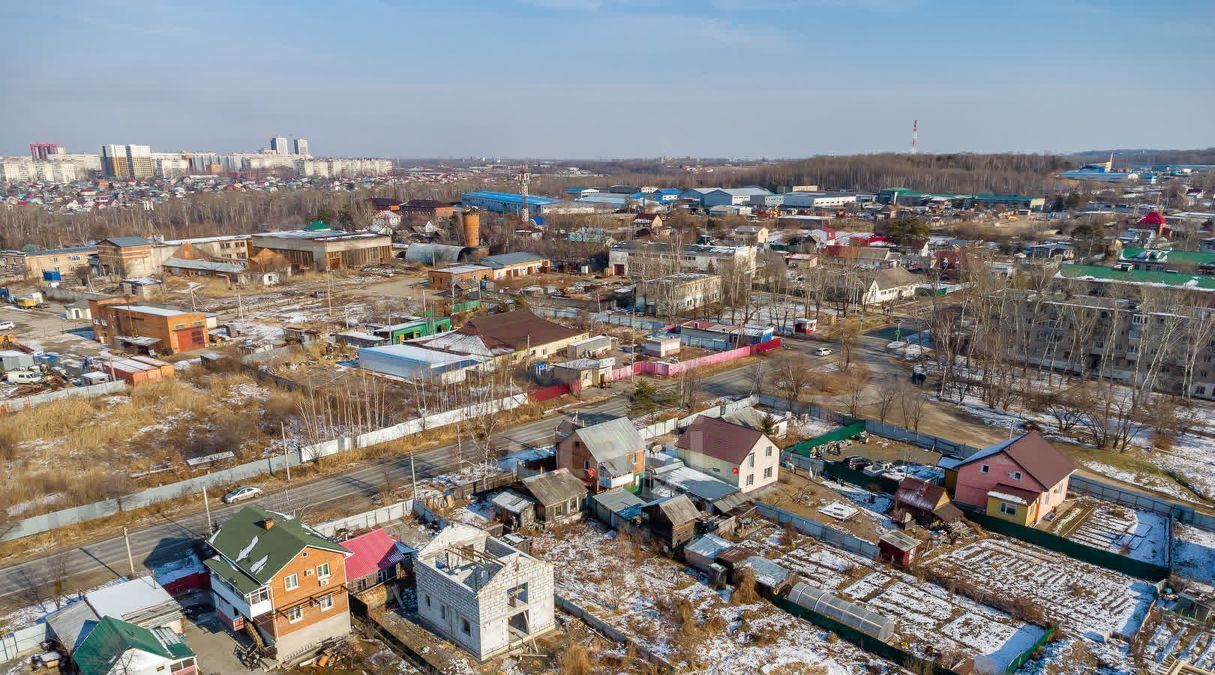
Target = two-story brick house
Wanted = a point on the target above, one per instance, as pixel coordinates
(280, 581)
(606, 455)
(740, 456)
(1020, 480)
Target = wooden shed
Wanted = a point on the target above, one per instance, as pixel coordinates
(673, 521)
(898, 547)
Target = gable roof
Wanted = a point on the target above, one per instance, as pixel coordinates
(927, 497)
(896, 277)
(372, 552)
(106, 644)
(719, 439)
(1031, 452)
(676, 510)
(554, 487)
(611, 439)
(517, 329)
(250, 554)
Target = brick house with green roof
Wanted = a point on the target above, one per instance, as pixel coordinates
(120, 648)
(280, 581)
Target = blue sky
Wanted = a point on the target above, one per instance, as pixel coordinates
(609, 78)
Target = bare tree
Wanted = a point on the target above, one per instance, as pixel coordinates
(792, 374)
(912, 400)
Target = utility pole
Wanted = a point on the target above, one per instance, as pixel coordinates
(207, 506)
(286, 454)
(130, 558)
(413, 478)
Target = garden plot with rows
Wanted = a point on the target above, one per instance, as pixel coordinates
(1086, 599)
(931, 620)
(670, 609)
(1176, 637)
(1140, 535)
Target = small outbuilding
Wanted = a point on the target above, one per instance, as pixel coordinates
(559, 494)
(673, 521)
(898, 547)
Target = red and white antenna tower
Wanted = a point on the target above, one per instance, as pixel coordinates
(915, 136)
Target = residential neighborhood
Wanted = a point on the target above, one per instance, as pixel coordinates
(375, 356)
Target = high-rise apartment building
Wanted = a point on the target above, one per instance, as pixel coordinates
(45, 150)
(114, 161)
(127, 161)
(301, 147)
(278, 144)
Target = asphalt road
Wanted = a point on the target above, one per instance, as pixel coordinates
(24, 582)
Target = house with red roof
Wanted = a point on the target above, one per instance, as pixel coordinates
(376, 558)
(1021, 480)
(732, 453)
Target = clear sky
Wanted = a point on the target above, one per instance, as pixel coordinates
(608, 78)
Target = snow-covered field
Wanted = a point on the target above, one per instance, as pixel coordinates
(1192, 457)
(1194, 553)
(1088, 600)
(639, 593)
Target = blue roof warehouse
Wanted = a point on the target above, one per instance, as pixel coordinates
(506, 202)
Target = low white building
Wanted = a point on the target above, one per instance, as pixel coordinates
(482, 594)
(742, 457)
(818, 200)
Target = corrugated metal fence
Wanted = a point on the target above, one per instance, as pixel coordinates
(15, 404)
(22, 641)
(50, 521)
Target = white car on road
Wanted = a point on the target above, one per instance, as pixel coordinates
(242, 493)
(823, 351)
(7, 325)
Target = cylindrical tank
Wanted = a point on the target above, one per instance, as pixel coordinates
(472, 229)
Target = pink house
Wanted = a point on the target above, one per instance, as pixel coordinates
(1022, 479)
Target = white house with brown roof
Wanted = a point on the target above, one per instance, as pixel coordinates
(732, 453)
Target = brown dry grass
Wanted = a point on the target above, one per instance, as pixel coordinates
(84, 449)
(744, 592)
(577, 661)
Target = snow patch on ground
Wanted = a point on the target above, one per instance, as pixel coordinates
(1194, 553)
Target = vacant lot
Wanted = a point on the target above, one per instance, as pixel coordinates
(82, 449)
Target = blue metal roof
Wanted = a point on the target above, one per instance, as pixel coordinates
(508, 197)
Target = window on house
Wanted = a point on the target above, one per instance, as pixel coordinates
(586, 465)
(465, 627)
(768, 472)
(443, 612)
(751, 479)
(291, 582)
(295, 614)
(1015, 475)
(260, 595)
(426, 598)
(1008, 509)
(983, 468)
(751, 461)
(325, 602)
(322, 571)
(768, 451)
